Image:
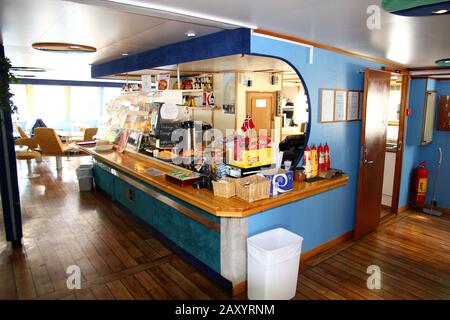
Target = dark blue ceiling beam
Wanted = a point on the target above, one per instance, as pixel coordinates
(214, 45)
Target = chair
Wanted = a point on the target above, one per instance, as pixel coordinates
(22, 133)
(28, 154)
(89, 133)
(51, 145)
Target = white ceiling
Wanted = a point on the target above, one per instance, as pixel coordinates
(246, 63)
(115, 28)
(412, 41)
(112, 32)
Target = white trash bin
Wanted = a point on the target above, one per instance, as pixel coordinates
(273, 261)
(85, 177)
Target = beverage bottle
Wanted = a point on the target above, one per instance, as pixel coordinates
(314, 161)
(326, 150)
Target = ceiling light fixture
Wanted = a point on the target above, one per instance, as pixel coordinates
(441, 11)
(190, 34)
(443, 62)
(124, 54)
(178, 11)
(63, 47)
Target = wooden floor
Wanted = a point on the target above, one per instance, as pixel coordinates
(120, 259)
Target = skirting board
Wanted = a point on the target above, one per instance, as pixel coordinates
(325, 246)
(406, 207)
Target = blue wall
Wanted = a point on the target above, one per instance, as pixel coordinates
(415, 152)
(330, 214)
(411, 157)
(430, 154)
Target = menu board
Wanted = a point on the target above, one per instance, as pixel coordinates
(165, 129)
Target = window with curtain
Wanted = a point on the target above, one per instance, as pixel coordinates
(49, 104)
(85, 104)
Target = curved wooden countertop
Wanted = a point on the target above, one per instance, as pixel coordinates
(135, 165)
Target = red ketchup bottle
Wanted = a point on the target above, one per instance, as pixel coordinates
(327, 158)
(321, 157)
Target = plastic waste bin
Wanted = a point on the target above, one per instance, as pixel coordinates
(85, 177)
(273, 261)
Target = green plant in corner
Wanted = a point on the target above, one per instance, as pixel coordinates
(6, 77)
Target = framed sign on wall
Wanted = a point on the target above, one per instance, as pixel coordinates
(340, 105)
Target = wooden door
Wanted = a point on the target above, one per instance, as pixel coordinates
(261, 106)
(373, 148)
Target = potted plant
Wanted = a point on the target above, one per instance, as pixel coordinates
(6, 103)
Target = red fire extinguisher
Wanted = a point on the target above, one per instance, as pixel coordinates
(420, 184)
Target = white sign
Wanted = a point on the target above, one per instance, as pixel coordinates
(169, 111)
(261, 103)
(327, 112)
(353, 103)
(341, 106)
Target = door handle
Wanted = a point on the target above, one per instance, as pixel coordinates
(364, 155)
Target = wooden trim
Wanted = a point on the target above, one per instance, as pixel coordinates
(325, 246)
(401, 143)
(239, 288)
(330, 48)
(405, 208)
(385, 207)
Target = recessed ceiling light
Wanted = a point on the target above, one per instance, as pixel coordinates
(190, 34)
(124, 54)
(443, 62)
(28, 69)
(441, 11)
(63, 47)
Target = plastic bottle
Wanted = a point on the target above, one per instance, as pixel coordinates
(321, 157)
(314, 161)
(307, 162)
(326, 150)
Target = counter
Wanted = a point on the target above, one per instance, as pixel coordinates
(209, 232)
(135, 165)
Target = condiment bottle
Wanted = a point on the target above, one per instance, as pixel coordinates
(307, 162)
(326, 150)
(314, 161)
(321, 157)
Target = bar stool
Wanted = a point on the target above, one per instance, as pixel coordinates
(28, 156)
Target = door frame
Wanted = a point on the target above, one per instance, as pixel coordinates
(401, 145)
(274, 105)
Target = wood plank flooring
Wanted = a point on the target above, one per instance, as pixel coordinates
(119, 258)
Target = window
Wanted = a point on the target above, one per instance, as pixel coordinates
(20, 100)
(85, 104)
(49, 104)
(109, 94)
